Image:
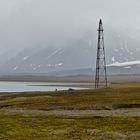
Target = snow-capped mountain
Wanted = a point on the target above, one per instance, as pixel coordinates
(74, 55)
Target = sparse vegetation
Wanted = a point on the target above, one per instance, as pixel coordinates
(112, 113)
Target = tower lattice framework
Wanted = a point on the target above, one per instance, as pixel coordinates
(101, 74)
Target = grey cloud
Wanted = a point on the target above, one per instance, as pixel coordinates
(25, 23)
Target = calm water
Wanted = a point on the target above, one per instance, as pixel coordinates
(31, 86)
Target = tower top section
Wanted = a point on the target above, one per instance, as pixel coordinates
(100, 25)
(100, 22)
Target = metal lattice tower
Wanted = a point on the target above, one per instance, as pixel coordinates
(101, 74)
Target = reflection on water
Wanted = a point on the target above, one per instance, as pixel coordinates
(31, 86)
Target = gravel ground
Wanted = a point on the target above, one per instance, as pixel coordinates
(135, 112)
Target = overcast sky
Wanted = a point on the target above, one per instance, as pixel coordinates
(25, 23)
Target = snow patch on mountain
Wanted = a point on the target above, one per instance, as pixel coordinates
(49, 65)
(25, 58)
(59, 64)
(54, 53)
(125, 63)
(127, 67)
(116, 50)
(34, 68)
(15, 68)
(113, 59)
(32, 65)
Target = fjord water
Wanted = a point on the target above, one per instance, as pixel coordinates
(34, 86)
